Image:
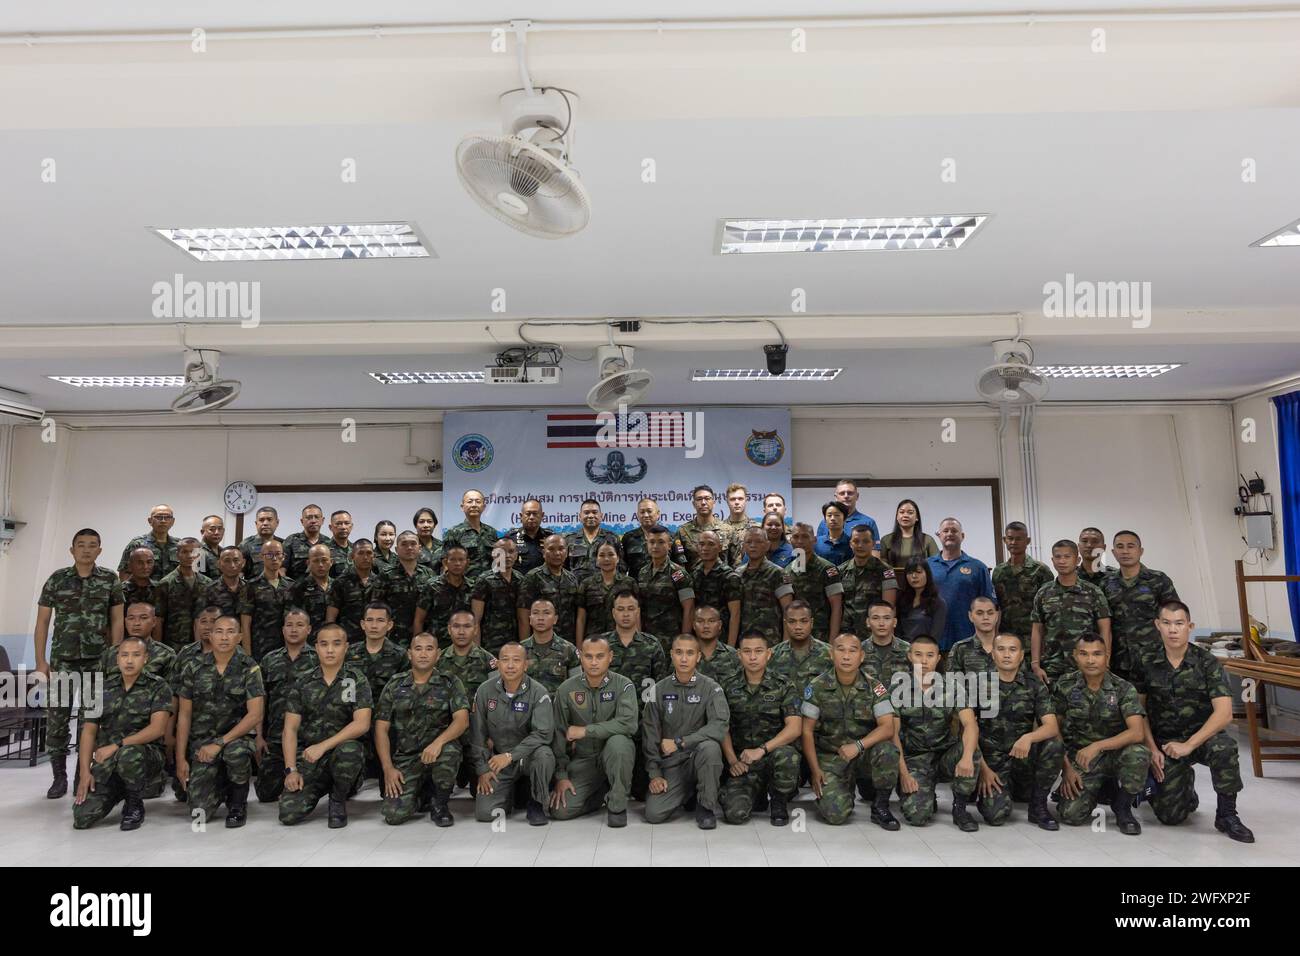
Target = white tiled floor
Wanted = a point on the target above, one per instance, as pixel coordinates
(36, 831)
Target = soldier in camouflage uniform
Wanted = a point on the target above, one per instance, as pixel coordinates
(312, 592)
(975, 653)
(337, 542)
(385, 538)
(465, 659)
(551, 659)
(124, 741)
(1016, 581)
(635, 553)
(162, 544)
(495, 598)
(510, 730)
(140, 585)
(402, 587)
(267, 520)
(85, 602)
(885, 654)
(760, 744)
(1092, 549)
(595, 592)
(765, 589)
(355, 588)
(297, 546)
(429, 550)
(848, 737)
(293, 660)
(419, 721)
(448, 592)
(474, 536)
(1134, 594)
(800, 657)
(379, 659)
(1100, 716)
(179, 597)
(865, 578)
(718, 659)
(1020, 743)
(583, 543)
(1189, 710)
(160, 660)
(227, 590)
(1063, 612)
(717, 584)
(327, 713)
(665, 590)
(266, 597)
(686, 551)
(595, 726)
(556, 584)
(816, 581)
(641, 659)
(529, 536)
(931, 752)
(204, 622)
(682, 729)
(221, 706)
(737, 522)
(211, 531)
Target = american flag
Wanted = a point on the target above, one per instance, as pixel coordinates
(638, 429)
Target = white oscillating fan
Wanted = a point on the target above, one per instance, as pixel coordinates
(1012, 380)
(619, 384)
(204, 389)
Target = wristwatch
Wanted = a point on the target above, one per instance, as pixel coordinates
(678, 742)
(289, 770)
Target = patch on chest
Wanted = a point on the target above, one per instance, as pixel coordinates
(579, 697)
(519, 706)
(606, 696)
(693, 698)
(492, 703)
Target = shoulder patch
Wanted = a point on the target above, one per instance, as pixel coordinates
(832, 572)
(808, 692)
(889, 572)
(678, 576)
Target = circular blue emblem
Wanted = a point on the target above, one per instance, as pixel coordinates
(472, 453)
(764, 448)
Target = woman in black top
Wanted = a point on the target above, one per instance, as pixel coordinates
(907, 540)
(920, 608)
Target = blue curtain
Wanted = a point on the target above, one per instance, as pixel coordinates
(1288, 453)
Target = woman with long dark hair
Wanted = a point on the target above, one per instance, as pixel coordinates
(920, 608)
(907, 540)
(385, 538)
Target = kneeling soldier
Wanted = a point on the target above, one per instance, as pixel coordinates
(418, 724)
(1101, 723)
(595, 723)
(1020, 742)
(682, 730)
(759, 747)
(125, 741)
(325, 716)
(510, 729)
(221, 705)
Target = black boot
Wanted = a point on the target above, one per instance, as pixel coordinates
(237, 805)
(537, 814)
(132, 811)
(1227, 821)
(339, 806)
(780, 816)
(1038, 812)
(704, 818)
(439, 812)
(616, 819)
(961, 816)
(59, 788)
(880, 814)
(1124, 819)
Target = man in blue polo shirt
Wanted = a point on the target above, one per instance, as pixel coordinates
(846, 492)
(960, 580)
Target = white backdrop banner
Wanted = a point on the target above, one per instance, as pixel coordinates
(562, 457)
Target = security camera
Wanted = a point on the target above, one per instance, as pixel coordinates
(776, 358)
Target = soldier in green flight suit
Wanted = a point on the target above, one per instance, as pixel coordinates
(179, 596)
(380, 659)
(717, 584)
(816, 581)
(266, 597)
(355, 589)
(158, 540)
(495, 598)
(865, 578)
(121, 748)
(718, 659)
(85, 603)
(293, 660)
(475, 537)
(551, 659)
(402, 586)
(1063, 612)
(666, 592)
(1134, 594)
(448, 592)
(640, 658)
(1016, 581)
(759, 748)
(595, 726)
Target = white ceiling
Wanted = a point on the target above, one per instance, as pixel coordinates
(1115, 167)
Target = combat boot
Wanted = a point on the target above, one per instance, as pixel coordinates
(1124, 819)
(59, 787)
(537, 814)
(338, 805)
(880, 814)
(1227, 821)
(132, 811)
(237, 805)
(780, 815)
(616, 819)
(439, 812)
(1038, 812)
(961, 816)
(704, 818)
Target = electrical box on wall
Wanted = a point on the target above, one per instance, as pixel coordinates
(1259, 531)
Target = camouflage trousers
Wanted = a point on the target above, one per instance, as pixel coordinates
(416, 776)
(777, 773)
(537, 768)
(209, 781)
(132, 769)
(1175, 798)
(269, 782)
(1020, 776)
(600, 778)
(929, 770)
(58, 732)
(1127, 767)
(878, 766)
(699, 768)
(336, 774)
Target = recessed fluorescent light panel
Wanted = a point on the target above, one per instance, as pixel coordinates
(120, 381)
(366, 240)
(1286, 236)
(756, 374)
(902, 234)
(427, 378)
(1104, 371)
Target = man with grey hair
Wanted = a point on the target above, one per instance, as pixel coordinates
(960, 580)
